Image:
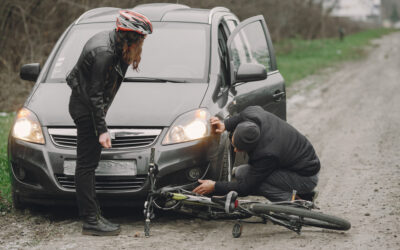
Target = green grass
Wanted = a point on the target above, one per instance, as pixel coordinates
(5, 185)
(299, 58)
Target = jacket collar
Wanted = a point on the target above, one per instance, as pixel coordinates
(120, 65)
(113, 42)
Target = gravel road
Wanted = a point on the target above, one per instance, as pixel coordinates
(351, 113)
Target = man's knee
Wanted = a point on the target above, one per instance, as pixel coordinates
(241, 171)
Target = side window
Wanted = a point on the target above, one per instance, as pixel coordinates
(223, 52)
(240, 51)
(222, 38)
(231, 24)
(250, 46)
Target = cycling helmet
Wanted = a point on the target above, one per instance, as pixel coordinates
(133, 21)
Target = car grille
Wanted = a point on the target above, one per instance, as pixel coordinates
(104, 183)
(121, 138)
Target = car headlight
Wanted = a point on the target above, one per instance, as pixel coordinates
(27, 127)
(188, 127)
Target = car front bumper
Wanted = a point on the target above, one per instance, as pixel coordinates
(38, 170)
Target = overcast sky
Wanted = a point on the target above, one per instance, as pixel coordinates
(354, 8)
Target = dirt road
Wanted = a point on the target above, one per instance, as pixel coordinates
(352, 116)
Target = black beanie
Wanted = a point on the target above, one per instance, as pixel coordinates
(246, 136)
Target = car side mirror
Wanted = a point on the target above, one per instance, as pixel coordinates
(249, 72)
(30, 72)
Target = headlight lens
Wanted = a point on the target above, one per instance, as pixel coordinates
(188, 127)
(27, 127)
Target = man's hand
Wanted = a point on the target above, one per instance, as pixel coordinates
(105, 140)
(217, 125)
(206, 187)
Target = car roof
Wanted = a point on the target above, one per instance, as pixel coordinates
(156, 12)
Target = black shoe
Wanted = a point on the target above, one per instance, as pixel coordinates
(92, 225)
(311, 196)
(105, 221)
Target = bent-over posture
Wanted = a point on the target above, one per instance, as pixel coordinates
(95, 80)
(281, 159)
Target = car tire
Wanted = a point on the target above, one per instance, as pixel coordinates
(16, 201)
(218, 163)
(228, 162)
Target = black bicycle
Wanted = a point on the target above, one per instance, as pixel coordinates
(292, 214)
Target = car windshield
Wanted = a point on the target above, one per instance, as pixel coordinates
(174, 51)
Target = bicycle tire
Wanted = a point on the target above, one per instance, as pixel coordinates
(308, 218)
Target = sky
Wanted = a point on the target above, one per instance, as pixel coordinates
(358, 9)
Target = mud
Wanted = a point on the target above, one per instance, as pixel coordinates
(351, 115)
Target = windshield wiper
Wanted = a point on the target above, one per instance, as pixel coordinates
(151, 79)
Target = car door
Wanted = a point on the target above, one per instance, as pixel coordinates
(250, 42)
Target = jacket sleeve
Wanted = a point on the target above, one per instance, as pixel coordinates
(95, 89)
(251, 113)
(232, 122)
(249, 183)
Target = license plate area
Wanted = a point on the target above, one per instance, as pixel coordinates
(106, 168)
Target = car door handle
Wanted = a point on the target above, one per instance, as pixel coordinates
(277, 96)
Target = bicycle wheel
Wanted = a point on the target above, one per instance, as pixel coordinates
(303, 216)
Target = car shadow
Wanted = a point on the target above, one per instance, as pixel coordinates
(121, 215)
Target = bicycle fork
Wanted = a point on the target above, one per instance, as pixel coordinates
(148, 213)
(148, 205)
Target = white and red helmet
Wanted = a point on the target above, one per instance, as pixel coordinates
(133, 21)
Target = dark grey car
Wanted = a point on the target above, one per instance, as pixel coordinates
(198, 63)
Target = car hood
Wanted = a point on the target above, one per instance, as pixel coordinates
(136, 104)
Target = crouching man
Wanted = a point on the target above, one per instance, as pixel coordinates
(280, 158)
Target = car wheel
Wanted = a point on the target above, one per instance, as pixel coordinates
(228, 161)
(218, 164)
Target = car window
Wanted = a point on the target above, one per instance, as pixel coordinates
(250, 46)
(223, 52)
(240, 50)
(174, 50)
(71, 49)
(231, 24)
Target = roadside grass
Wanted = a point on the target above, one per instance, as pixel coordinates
(298, 58)
(5, 185)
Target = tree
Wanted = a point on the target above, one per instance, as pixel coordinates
(394, 17)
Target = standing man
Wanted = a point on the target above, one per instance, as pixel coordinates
(95, 80)
(280, 158)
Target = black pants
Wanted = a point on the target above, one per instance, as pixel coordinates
(88, 157)
(279, 185)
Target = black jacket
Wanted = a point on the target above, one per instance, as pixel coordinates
(96, 78)
(280, 147)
